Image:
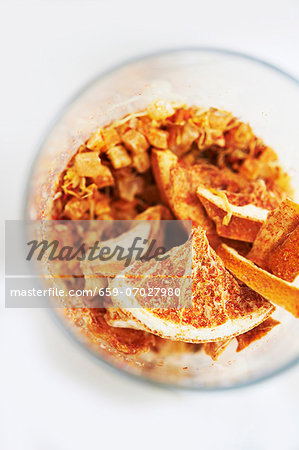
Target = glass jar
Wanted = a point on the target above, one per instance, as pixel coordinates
(254, 91)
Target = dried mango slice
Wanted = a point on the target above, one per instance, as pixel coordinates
(243, 222)
(275, 289)
(276, 230)
(221, 307)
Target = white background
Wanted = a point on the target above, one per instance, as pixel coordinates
(52, 396)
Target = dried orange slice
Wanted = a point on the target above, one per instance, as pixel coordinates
(233, 222)
(275, 289)
(221, 307)
(115, 317)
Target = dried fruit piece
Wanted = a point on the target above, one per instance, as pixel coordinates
(243, 222)
(221, 307)
(103, 138)
(116, 317)
(183, 199)
(71, 180)
(96, 141)
(220, 120)
(145, 230)
(135, 141)
(119, 157)
(162, 161)
(75, 208)
(275, 289)
(141, 162)
(279, 225)
(182, 138)
(157, 138)
(102, 205)
(160, 110)
(239, 136)
(244, 340)
(283, 261)
(125, 341)
(262, 163)
(130, 186)
(105, 177)
(89, 165)
(212, 124)
(215, 349)
(259, 166)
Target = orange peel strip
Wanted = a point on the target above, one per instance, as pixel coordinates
(215, 349)
(279, 224)
(162, 162)
(283, 261)
(245, 339)
(245, 221)
(276, 290)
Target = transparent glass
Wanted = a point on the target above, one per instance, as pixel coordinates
(254, 91)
